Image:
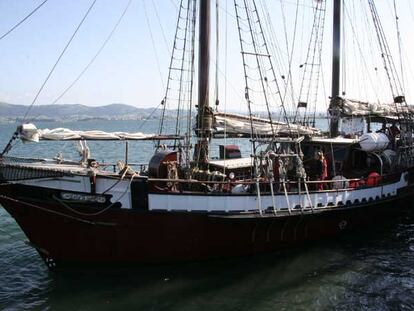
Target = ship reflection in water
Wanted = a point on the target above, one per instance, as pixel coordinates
(351, 273)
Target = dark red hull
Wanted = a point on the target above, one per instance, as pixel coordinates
(122, 235)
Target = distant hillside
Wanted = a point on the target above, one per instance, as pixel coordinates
(74, 112)
(71, 112)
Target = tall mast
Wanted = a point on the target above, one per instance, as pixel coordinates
(336, 67)
(204, 116)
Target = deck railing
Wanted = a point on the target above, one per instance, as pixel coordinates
(328, 185)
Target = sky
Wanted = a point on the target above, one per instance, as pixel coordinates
(133, 66)
(126, 70)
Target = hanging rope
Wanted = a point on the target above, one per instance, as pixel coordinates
(15, 201)
(23, 20)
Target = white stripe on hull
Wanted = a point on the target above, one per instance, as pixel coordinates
(120, 191)
(229, 203)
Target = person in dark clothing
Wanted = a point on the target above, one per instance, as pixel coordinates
(393, 131)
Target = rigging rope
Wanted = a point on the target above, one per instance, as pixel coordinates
(358, 44)
(274, 45)
(179, 88)
(397, 25)
(59, 58)
(23, 20)
(225, 85)
(191, 73)
(240, 30)
(216, 91)
(182, 84)
(16, 134)
(153, 43)
(312, 66)
(393, 79)
(344, 55)
(149, 116)
(161, 27)
(291, 52)
(167, 89)
(261, 54)
(96, 55)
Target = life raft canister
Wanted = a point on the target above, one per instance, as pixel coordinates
(374, 142)
(373, 179)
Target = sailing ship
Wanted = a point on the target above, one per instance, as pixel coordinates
(299, 184)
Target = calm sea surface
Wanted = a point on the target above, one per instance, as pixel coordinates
(364, 271)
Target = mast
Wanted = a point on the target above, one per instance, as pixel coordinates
(204, 114)
(336, 68)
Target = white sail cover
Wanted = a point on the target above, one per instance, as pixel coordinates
(387, 110)
(30, 133)
(240, 124)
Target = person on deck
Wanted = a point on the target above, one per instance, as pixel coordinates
(276, 173)
(393, 132)
(321, 169)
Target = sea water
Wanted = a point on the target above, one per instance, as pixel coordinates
(360, 271)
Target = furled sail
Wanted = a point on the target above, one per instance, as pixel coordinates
(235, 124)
(355, 108)
(30, 133)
